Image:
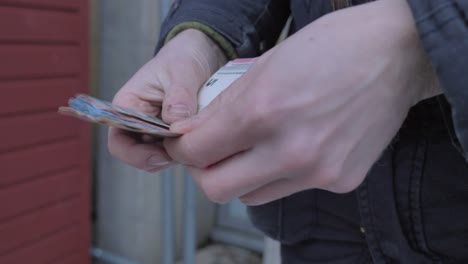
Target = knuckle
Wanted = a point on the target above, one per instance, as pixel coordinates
(296, 155)
(184, 152)
(201, 163)
(112, 147)
(170, 147)
(194, 157)
(190, 156)
(246, 200)
(179, 150)
(341, 188)
(214, 192)
(198, 161)
(294, 160)
(250, 200)
(262, 114)
(346, 184)
(126, 157)
(136, 162)
(326, 177)
(216, 197)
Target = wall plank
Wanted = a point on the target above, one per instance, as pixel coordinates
(60, 5)
(44, 157)
(38, 161)
(31, 227)
(39, 193)
(20, 25)
(35, 61)
(46, 250)
(21, 96)
(23, 131)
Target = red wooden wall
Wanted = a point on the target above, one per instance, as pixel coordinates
(44, 157)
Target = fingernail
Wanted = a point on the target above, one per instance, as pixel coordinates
(157, 161)
(179, 110)
(162, 166)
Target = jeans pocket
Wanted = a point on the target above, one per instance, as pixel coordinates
(444, 201)
(289, 220)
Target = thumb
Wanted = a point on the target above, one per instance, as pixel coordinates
(185, 125)
(179, 103)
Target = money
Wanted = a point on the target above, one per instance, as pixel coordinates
(222, 79)
(94, 110)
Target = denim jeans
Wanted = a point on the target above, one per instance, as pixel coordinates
(412, 208)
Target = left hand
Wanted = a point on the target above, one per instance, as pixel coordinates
(314, 112)
(166, 87)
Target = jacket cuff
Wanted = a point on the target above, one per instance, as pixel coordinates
(223, 43)
(234, 35)
(443, 29)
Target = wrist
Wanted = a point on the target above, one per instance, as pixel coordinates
(209, 46)
(224, 44)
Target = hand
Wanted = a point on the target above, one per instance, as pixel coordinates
(167, 87)
(314, 112)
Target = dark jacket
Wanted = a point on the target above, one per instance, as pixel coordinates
(412, 207)
(443, 27)
(252, 26)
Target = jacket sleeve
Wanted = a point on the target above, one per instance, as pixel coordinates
(443, 28)
(249, 26)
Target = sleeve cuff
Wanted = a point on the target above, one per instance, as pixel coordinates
(227, 48)
(443, 29)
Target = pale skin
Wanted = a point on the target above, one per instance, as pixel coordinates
(314, 112)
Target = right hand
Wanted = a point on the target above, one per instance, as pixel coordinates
(167, 87)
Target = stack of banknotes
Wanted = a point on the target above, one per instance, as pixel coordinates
(97, 111)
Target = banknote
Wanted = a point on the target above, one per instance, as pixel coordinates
(222, 79)
(94, 110)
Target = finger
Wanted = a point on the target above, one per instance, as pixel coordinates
(180, 102)
(217, 132)
(290, 184)
(223, 128)
(144, 99)
(128, 148)
(235, 176)
(215, 140)
(273, 191)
